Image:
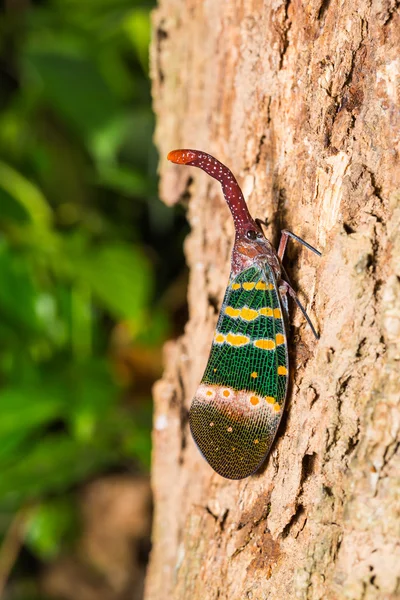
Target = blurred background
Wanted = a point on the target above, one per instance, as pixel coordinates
(92, 282)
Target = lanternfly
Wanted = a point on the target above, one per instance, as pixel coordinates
(237, 408)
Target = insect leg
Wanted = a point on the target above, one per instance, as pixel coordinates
(285, 234)
(261, 222)
(285, 287)
(283, 296)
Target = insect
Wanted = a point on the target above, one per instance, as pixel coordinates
(238, 405)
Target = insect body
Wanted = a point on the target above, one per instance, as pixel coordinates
(237, 408)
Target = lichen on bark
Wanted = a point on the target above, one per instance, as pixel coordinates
(301, 101)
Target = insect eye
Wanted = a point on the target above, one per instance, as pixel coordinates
(251, 234)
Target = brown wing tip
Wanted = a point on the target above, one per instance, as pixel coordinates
(231, 447)
(181, 157)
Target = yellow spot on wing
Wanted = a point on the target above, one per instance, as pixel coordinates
(276, 407)
(261, 285)
(219, 338)
(232, 312)
(256, 441)
(265, 344)
(266, 312)
(270, 399)
(282, 371)
(248, 314)
(254, 374)
(234, 339)
(235, 286)
(277, 313)
(280, 339)
(248, 285)
(226, 393)
(254, 400)
(209, 393)
(271, 286)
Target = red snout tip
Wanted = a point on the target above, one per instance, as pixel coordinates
(181, 157)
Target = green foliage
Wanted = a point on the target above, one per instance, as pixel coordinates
(118, 267)
(48, 525)
(78, 209)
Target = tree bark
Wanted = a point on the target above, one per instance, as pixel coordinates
(301, 101)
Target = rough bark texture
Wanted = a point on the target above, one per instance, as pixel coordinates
(301, 101)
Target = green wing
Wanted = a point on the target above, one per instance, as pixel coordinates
(238, 405)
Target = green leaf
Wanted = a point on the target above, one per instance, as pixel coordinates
(52, 466)
(48, 525)
(137, 27)
(10, 443)
(11, 209)
(93, 394)
(23, 408)
(137, 441)
(120, 277)
(75, 88)
(25, 193)
(18, 296)
(123, 179)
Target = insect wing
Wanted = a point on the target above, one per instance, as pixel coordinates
(237, 408)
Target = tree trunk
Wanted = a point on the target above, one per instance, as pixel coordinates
(301, 101)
